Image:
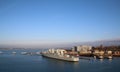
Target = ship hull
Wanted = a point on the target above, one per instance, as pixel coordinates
(61, 57)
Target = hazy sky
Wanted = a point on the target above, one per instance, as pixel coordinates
(54, 21)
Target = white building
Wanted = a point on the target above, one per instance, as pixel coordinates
(82, 49)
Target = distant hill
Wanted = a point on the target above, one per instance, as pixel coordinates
(68, 45)
(102, 42)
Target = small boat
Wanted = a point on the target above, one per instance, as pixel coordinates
(1, 52)
(13, 52)
(110, 57)
(38, 53)
(23, 53)
(100, 57)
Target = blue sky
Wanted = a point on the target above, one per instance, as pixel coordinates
(55, 21)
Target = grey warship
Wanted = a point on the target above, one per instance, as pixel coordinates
(59, 54)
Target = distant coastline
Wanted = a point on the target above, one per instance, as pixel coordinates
(66, 45)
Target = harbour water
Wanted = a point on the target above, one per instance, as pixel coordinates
(36, 63)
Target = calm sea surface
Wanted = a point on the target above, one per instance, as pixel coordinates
(34, 63)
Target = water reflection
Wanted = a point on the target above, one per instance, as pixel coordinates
(110, 60)
(61, 62)
(60, 65)
(101, 60)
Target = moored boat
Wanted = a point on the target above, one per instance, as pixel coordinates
(1, 52)
(23, 53)
(110, 57)
(13, 52)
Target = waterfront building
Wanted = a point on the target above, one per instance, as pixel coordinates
(116, 53)
(82, 49)
(98, 52)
